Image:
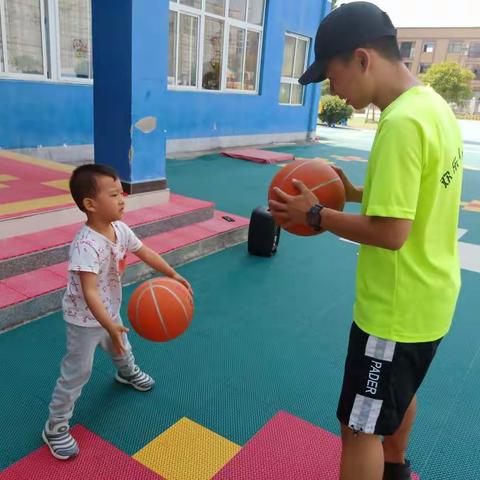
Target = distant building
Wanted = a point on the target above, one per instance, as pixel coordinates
(423, 47)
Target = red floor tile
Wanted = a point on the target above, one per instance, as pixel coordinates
(60, 269)
(9, 296)
(98, 459)
(38, 282)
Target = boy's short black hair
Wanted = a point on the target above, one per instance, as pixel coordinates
(83, 183)
(387, 47)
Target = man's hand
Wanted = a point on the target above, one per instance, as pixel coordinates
(292, 209)
(183, 281)
(352, 193)
(116, 332)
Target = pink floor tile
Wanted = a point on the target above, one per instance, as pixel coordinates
(9, 296)
(287, 448)
(45, 240)
(38, 282)
(11, 247)
(171, 209)
(240, 221)
(259, 156)
(60, 269)
(189, 202)
(70, 230)
(49, 238)
(98, 459)
(164, 243)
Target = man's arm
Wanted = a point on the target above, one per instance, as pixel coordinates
(384, 232)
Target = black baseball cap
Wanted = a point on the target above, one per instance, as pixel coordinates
(343, 30)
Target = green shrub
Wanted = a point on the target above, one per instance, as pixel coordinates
(334, 110)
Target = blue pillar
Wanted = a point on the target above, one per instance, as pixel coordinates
(130, 54)
(316, 89)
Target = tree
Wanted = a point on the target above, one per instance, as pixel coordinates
(334, 110)
(450, 80)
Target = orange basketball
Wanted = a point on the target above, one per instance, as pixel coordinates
(319, 177)
(160, 309)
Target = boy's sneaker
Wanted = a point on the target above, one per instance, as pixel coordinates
(138, 380)
(61, 444)
(397, 471)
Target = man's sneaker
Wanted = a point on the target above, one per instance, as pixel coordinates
(61, 444)
(138, 380)
(397, 471)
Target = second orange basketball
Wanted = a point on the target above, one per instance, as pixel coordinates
(319, 177)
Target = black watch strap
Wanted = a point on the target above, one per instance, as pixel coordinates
(314, 218)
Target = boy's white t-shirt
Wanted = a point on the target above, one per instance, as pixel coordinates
(92, 252)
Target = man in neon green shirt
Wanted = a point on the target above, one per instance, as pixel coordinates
(408, 274)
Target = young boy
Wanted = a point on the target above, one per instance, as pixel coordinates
(408, 274)
(91, 305)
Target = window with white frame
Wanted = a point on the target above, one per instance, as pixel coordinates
(23, 37)
(75, 38)
(295, 57)
(215, 44)
(46, 39)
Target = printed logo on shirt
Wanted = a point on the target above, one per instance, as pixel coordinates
(449, 175)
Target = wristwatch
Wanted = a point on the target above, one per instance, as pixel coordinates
(314, 217)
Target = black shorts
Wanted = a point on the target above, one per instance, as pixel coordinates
(381, 378)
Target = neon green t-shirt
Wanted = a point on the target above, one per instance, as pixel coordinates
(415, 173)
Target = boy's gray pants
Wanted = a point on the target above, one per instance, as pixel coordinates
(76, 367)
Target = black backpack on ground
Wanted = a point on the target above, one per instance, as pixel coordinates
(263, 233)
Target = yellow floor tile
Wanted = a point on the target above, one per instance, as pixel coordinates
(187, 451)
(60, 184)
(7, 178)
(36, 204)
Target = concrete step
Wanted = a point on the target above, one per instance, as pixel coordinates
(25, 253)
(36, 221)
(31, 295)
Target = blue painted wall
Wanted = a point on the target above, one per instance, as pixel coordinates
(53, 114)
(45, 113)
(194, 114)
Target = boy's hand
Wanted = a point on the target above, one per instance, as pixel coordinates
(116, 334)
(352, 193)
(292, 209)
(184, 282)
